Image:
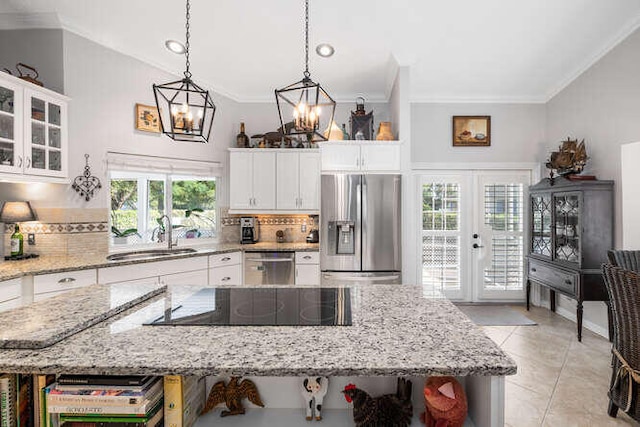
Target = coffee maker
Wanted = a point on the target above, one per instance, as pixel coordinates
(249, 229)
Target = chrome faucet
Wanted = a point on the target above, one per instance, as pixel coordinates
(168, 231)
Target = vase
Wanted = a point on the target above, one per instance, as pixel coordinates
(333, 132)
(384, 132)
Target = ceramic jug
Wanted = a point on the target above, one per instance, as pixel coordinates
(384, 132)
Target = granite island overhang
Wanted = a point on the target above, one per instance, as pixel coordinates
(397, 331)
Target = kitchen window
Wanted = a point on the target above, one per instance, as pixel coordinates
(138, 201)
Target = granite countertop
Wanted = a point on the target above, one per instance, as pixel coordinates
(55, 264)
(397, 330)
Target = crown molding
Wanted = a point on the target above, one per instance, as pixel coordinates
(24, 21)
(618, 38)
(417, 99)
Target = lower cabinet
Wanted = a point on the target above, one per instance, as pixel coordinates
(307, 268)
(225, 269)
(10, 294)
(48, 285)
(160, 271)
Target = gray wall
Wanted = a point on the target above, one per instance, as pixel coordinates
(602, 106)
(516, 132)
(41, 49)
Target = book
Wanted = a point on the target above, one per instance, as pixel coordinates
(106, 380)
(24, 400)
(142, 408)
(102, 396)
(8, 404)
(39, 401)
(153, 421)
(156, 413)
(184, 398)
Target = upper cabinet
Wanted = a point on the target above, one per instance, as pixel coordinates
(33, 131)
(274, 180)
(358, 156)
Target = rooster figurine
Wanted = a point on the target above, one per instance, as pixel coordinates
(232, 395)
(445, 403)
(389, 410)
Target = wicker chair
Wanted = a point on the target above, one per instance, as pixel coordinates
(623, 287)
(629, 260)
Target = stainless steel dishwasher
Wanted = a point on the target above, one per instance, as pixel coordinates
(269, 268)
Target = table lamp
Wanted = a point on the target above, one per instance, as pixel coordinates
(13, 213)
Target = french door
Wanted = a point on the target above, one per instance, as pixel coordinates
(474, 233)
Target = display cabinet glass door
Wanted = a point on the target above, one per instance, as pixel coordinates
(541, 225)
(567, 227)
(10, 129)
(44, 136)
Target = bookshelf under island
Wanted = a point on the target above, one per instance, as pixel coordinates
(396, 331)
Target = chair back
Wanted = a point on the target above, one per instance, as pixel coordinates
(629, 260)
(623, 287)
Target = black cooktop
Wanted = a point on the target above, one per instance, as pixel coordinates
(261, 306)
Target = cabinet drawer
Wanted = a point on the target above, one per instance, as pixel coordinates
(307, 257)
(10, 294)
(56, 282)
(150, 269)
(227, 275)
(553, 277)
(230, 258)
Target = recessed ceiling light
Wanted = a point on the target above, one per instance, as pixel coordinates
(325, 50)
(175, 46)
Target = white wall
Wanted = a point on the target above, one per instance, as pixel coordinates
(629, 179)
(517, 130)
(38, 48)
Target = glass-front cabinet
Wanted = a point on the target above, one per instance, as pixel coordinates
(571, 231)
(33, 129)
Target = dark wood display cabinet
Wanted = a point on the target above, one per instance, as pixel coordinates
(571, 231)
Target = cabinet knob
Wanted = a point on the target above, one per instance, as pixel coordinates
(475, 235)
(225, 279)
(66, 280)
(19, 161)
(306, 257)
(226, 259)
(533, 269)
(568, 282)
(476, 246)
(28, 162)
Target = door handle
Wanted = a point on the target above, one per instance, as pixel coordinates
(19, 161)
(476, 246)
(66, 280)
(28, 162)
(533, 269)
(306, 257)
(270, 259)
(225, 279)
(226, 259)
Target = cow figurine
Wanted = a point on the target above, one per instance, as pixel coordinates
(313, 391)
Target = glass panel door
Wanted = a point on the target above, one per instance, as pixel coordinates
(541, 226)
(500, 243)
(45, 139)
(10, 133)
(567, 227)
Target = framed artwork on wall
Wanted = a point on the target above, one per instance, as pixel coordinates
(471, 131)
(147, 118)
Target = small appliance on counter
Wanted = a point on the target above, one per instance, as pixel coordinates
(314, 236)
(249, 229)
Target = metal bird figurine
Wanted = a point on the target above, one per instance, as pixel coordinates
(232, 395)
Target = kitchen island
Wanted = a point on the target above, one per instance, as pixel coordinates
(396, 331)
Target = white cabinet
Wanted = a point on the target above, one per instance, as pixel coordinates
(10, 294)
(252, 176)
(225, 269)
(160, 271)
(48, 285)
(33, 131)
(197, 277)
(298, 181)
(307, 268)
(353, 156)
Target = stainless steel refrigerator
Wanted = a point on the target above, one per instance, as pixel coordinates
(360, 228)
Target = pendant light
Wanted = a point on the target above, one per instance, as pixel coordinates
(186, 110)
(305, 107)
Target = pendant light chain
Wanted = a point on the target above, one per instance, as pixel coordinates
(187, 73)
(306, 40)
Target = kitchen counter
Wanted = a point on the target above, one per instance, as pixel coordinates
(55, 264)
(397, 330)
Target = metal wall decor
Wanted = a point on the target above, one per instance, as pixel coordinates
(361, 122)
(86, 184)
(308, 106)
(186, 109)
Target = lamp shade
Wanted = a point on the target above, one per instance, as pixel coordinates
(13, 212)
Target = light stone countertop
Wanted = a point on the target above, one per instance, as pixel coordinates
(56, 264)
(397, 330)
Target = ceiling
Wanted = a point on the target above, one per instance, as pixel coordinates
(457, 50)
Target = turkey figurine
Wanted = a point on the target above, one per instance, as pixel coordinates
(389, 410)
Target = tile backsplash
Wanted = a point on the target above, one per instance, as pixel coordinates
(64, 231)
(291, 225)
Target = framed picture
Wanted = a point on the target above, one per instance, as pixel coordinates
(471, 131)
(147, 118)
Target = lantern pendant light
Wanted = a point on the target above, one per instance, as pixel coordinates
(305, 107)
(186, 110)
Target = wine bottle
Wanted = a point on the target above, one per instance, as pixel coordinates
(242, 140)
(17, 242)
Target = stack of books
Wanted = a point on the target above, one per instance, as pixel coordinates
(105, 401)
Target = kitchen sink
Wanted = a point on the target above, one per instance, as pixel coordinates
(150, 253)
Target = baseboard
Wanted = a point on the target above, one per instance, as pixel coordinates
(593, 327)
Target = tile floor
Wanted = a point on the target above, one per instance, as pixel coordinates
(560, 382)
